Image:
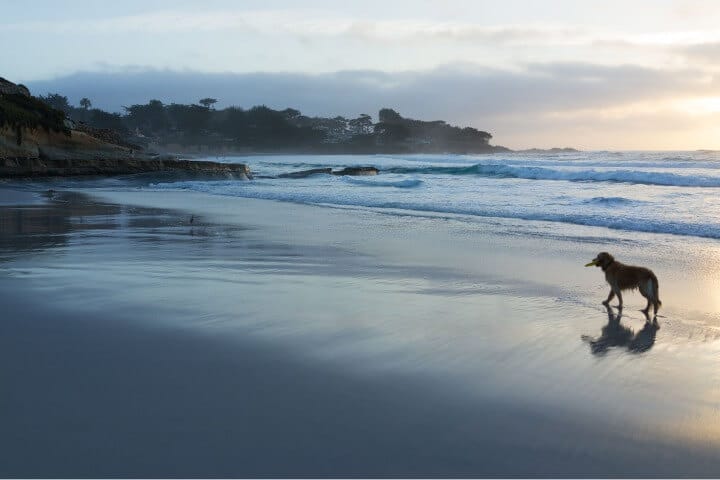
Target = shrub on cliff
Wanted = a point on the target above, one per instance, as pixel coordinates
(20, 111)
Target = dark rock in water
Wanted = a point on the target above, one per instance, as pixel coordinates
(306, 173)
(357, 171)
(329, 171)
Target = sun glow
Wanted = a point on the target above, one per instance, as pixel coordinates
(700, 106)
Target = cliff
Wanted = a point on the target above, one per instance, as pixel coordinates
(36, 140)
(9, 88)
(48, 144)
(46, 167)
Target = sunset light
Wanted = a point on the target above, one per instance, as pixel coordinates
(360, 239)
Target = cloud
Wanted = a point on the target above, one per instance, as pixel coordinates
(536, 87)
(309, 23)
(326, 40)
(703, 52)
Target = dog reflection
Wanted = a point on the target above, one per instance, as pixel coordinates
(615, 334)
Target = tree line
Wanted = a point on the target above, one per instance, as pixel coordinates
(261, 128)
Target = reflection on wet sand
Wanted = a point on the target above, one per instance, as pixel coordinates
(40, 227)
(227, 337)
(151, 234)
(615, 334)
(43, 226)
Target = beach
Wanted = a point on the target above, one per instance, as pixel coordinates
(156, 333)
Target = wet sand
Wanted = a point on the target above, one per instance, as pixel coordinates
(153, 335)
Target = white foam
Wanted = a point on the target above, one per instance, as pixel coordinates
(642, 192)
(531, 172)
(593, 214)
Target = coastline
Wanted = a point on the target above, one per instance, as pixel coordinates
(101, 166)
(178, 359)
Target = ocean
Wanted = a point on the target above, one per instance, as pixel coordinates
(657, 192)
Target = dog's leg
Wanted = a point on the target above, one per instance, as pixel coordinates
(611, 295)
(646, 290)
(656, 297)
(646, 310)
(619, 295)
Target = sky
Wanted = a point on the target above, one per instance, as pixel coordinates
(600, 75)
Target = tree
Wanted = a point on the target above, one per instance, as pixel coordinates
(207, 102)
(190, 119)
(57, 101)
(101, 119)
(268, 126)
(388, 115)
(392, 133)
(361, 125)
(85, 103)
(150, 117)
(234, 124)
(291, 114)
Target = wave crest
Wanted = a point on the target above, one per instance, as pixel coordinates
(408, 183)
(543, 173)
(611, 201)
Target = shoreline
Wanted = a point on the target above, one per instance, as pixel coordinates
(178, 359)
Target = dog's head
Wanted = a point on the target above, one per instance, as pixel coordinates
(602, 260)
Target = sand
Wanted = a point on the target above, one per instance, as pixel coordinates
(175, 334)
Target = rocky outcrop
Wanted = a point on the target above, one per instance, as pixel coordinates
(41, 143)
(106, 135)
(43, 153)
(306, 173)
(357, 171)
(45, 167)
(9, 88)
(329, 171)
(38, 141)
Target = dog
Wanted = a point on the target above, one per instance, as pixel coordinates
(627, 277)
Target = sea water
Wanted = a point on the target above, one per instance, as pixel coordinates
(657, 192)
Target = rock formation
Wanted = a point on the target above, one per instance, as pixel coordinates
(36, 140)
(45, 167)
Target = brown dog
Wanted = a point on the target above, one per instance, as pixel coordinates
(627, 277)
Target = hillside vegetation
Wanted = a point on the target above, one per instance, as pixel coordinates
(263, 129)
(20, 112)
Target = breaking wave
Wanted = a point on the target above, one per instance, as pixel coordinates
(706, 229)
(611, 201)
(543, 173)
(408, 183)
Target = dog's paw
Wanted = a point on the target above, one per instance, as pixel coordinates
(606, 303)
